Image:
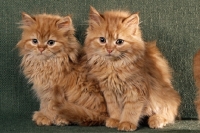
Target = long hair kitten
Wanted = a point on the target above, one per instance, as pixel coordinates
(196, 71)
(133, 75)
(50, 53)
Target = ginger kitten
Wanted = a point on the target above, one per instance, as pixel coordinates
(196, 72)
(50, 53)
(133, 75)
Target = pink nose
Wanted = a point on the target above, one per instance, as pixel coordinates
(41, 49)
(109, 50)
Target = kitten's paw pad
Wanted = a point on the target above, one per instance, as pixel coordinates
(61, 122)
(156, 122)
(112, 123)
(41, 120)
(127, 126)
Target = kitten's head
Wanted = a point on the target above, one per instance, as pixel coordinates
(114, 35)
(47, 36)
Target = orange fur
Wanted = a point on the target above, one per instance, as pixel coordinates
(133, 75)
(196, 71)
(50, 54)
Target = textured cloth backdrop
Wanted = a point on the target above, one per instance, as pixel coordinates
(175, 24)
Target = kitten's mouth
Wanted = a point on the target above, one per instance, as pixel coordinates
(109, 56)
(112, 57)
(41, 54)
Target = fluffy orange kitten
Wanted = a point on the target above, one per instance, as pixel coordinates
(50, 53)
(196, 71)
(133, 75)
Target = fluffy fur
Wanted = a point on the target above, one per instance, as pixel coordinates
(196, 71)
(133, 75)
(50, 54)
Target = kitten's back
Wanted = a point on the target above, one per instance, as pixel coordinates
(196, 72)
(157, 63)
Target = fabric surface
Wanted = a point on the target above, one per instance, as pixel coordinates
(175, 24)
(22, 124)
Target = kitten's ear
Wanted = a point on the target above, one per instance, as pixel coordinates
(27, 20)
(64, 23)
(94, 16)
(132, 20)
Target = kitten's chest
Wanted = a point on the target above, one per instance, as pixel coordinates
(44, 74)
(120, 79)
(113, 79)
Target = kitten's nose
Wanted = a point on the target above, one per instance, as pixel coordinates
(41, 49)
(109, 50)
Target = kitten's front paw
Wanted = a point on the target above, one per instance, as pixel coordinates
(61, 122)
(112, 123)
(41, 120)
(157, 122)
(127, 126)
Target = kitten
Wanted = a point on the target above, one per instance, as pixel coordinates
(196, 71)
(50, 62)
(133, 75)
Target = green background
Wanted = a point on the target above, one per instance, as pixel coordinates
(175, 24)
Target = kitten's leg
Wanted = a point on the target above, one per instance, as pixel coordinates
(164, 107)
(46, 116)
(113, 109)
(131, 112)
(41, 119)
(162, 118)
(157, 121)
(59, 121)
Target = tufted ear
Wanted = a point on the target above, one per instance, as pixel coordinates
(132, 22)
(64, 23)
(94, 17)
(27, 20)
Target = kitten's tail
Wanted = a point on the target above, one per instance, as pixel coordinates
(78, 114)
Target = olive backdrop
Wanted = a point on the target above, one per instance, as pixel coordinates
(175, 24)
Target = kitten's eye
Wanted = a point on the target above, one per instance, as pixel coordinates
(51, 42)
(34, 41)
(119, 42)
(102, 40)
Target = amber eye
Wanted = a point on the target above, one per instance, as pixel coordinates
(51, 42)
(119, 42)
(102, 40)
(35, 41)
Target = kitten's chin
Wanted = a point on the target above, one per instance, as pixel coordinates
(111, 57)
(43, 57)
